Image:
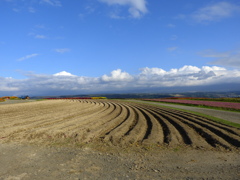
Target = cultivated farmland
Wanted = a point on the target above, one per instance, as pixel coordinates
(227, 105)
(117, 123)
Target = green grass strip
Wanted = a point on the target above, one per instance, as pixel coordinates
(196, 105)
(222, 121)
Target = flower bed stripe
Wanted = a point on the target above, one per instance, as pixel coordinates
(204, 103)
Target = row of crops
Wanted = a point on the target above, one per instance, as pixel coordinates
(79, 98)
(223, 99)
(218, 104)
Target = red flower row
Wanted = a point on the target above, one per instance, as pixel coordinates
(205, 103)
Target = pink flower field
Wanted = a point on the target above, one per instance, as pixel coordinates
(196, 102)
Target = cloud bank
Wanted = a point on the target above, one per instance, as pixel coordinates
(215, 12)
(27, 57)
(63, 83)
(63, 50)
(226, 59)
(52, 2)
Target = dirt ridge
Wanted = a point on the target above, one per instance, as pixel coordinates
(114, 122)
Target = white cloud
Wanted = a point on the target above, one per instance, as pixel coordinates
(215, 12)
(189, 69)
(63, 73)
(228, 58)
(117, 75)
(27, 57)
(88, 10)
(184, 76)
(37, 36)
(6, 88)
(215, 69)
(63, 50)
(152, 71)
(233, 60)
(137, 7)
(118, 80)
(52, 2)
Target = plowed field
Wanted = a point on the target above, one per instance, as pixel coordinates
(114, 122)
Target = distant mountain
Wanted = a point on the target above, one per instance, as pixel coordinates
(151, 95)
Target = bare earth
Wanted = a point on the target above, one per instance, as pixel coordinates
(93, 139)
(226, 115)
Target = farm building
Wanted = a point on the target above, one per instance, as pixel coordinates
(24, 97)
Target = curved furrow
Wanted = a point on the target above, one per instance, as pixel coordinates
(69, 123)
(137, 133)
(165, 126)
(227, 128)
(94, 121)
(129, 113)
(42, 114)
(190, 135)
(155, 132)
(173, 136)
(33, 110)
(133, 124)
(185, 137)
(54, 127)
(124, 120)
(116, 133)
(90, 124)
(149, 123)
(44, 123)
(28, 122)
(210, 136)
(180, 127)
(110, 123)
(228, 137)
(41, 123)
(107, 124)
(221, 133)
(117, 122)
(82, 111)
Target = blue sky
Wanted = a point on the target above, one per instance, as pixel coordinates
(80, 46)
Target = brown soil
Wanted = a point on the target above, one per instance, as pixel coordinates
(128, 141)
(231, 116)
